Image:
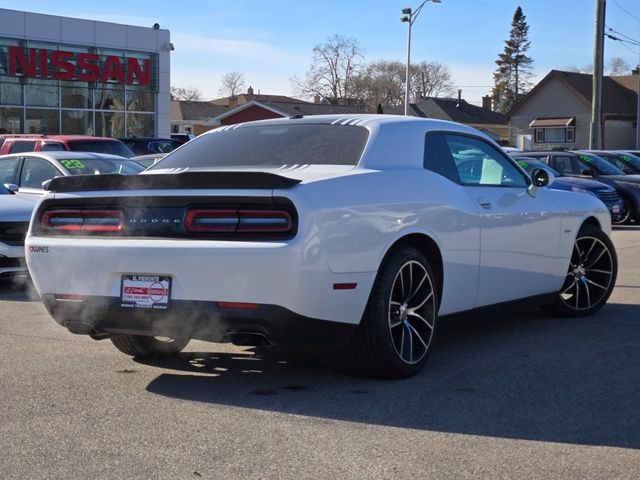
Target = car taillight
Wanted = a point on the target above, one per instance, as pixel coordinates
(83, 220)
(238, 221)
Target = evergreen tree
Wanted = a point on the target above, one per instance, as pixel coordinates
(510, 80)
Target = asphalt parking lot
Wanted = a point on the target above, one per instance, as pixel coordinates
(510, 393)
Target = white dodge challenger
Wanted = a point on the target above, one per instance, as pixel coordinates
(357, 231)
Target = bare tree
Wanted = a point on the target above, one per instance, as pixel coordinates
(382, 82)
(232, 83)
(615, 66)
(187, 93)
(618, 66)
(430, 79)
(334, 68)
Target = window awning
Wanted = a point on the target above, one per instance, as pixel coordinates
(553, 122)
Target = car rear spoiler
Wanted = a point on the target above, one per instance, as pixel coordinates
(203, 180)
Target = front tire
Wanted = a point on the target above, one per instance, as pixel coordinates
(395, 335)
(591, 276)
(149, 347)
(628, 214)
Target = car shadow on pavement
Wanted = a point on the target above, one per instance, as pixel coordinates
(503, 373)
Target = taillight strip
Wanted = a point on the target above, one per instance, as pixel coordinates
(83, 220)
(240, 221)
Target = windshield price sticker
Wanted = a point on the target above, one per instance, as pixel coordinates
(145, 291)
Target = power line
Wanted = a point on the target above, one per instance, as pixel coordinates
(625, 10)
(623, 35)
(613, 37)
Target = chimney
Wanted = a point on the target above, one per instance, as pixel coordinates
(459, 104)
(486, 102)
(316, 98)
(250, 90)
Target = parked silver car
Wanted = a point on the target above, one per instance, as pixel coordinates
(15, 213)
(26, 172)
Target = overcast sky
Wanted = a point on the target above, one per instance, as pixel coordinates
(270, 41)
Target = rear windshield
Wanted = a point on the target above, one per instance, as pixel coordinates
(273, 146)
(112, 147)
(94, 166)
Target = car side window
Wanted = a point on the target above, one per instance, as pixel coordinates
(8, 170)
(437, 157)
(565, 164)
(35, 171)
(479, 163)
(20, 146)
(53, 147)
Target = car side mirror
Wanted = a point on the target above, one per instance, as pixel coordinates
(46, 183)
(541, 177)
(12, 187)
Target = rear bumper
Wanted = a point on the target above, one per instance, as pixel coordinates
(266, 325)
(268, 273)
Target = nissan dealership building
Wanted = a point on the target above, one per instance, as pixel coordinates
(72, 76)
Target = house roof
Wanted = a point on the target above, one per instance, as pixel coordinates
(616, 98)
(449, 109)
(288, 109)
(192, 110)
(243, 98)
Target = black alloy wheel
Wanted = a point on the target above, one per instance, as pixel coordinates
(591, 275)
(396, 333)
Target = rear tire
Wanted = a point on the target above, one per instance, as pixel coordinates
(591, 276)
(395, 335)
(149, 347)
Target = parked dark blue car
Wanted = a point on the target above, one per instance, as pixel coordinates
(605, 193)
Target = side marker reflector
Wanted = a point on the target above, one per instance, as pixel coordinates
(344, 286)
(240, 305)
(63, 297)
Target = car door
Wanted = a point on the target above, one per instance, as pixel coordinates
(34, 172)
(519, 225)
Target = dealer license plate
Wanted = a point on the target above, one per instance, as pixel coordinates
(145, 291)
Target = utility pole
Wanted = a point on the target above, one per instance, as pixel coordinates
(595, 142)
(638, 108)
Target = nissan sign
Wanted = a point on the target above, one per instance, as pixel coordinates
(84, 67)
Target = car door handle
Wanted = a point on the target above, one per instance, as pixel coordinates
(484, 203)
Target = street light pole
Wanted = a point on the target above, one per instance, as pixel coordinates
(410, 16)
(406, 83)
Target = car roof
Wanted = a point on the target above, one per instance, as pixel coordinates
(147, 139)
(363, 119)
(67, 155)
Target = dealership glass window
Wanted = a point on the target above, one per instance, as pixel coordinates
(108, 97)
(140, 125)
(140, 99)
(78, 122)
(41, 93)
(11, 120)
(42, 121)
(110, 124)
(10, 91)
(75, 97)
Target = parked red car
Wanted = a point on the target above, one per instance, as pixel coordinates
(60, 143)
